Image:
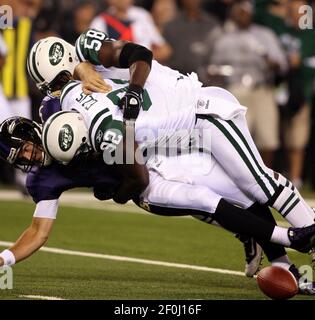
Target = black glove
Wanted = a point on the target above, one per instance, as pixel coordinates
(131, 102)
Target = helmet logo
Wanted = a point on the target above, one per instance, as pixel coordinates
(65, 137)
(56, 53)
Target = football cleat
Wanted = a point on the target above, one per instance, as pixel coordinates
(305, 287)
(302, 239)
(253, 255)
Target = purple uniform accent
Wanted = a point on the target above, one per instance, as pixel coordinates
(48, 107)
(48, 183)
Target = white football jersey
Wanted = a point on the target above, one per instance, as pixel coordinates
(168, 109)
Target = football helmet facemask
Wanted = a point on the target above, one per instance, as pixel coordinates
(15, 132)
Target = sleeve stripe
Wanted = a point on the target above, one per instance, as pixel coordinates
(104, 115)
(66, 90)
(98, 116)
(102, 127)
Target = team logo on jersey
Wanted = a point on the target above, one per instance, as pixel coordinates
(65, 138)
(56, 53)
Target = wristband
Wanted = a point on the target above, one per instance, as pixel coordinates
(135, 88)
(8, 258)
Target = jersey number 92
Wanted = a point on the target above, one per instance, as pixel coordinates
(111, 140)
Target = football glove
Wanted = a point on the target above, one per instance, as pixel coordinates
(131, 102)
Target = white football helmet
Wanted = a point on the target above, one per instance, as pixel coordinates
(49, 58)
(64, 136)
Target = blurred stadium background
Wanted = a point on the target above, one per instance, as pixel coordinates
(256, 49)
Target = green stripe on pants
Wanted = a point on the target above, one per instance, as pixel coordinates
(291, 208)
(239, 133)
(241, 153)
(287, 202)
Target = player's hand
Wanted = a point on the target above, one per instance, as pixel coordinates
(91, 79)
(131, 102)
(95, 85)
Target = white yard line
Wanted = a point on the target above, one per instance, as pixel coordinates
(133, 260)
(30, 296)
(82, 200)
(87, 201)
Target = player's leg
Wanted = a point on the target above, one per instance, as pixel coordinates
(239, 159)
(306, 208)
(262, 118)
(234, 149)
(218, 181)
(253, 251)
(275, 253)
(287, 183)
(185, 199)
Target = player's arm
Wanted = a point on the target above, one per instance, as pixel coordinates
(115, 140)
(95, 47)
(134, 172)
(122, 54)
(31, 240)
(35, 236)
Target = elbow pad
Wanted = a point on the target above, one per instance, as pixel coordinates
(132, 53)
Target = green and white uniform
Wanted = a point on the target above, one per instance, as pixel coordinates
(165, 110)
(174, 102)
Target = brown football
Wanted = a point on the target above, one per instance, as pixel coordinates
(277, 283)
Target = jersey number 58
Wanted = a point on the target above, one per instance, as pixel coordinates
(93, 40)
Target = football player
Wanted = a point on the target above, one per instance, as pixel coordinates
(169, 101)
(20, 144)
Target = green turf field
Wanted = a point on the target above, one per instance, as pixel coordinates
(145, 236)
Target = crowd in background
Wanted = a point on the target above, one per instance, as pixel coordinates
(255, 49)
